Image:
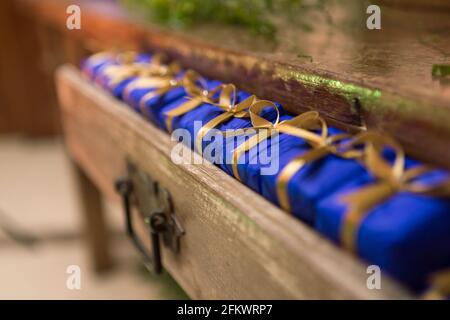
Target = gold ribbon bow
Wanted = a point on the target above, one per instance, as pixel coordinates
(126, 57)
(297, 127)
(127, 67)
(163, 83)
(320, 148)
(197, 95)
(390, 180)
(120, 60)
(227, 102)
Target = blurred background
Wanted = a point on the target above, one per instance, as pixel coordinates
(41, 227)
(40, 220)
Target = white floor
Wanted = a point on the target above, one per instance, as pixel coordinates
(40, 234)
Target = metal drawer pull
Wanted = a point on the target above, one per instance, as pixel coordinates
(157, 226)
(155, 207)
(157, 223)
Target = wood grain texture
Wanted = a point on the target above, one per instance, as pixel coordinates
(354, 76)
(237, 244)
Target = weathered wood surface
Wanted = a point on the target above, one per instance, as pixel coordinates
(354, 76)
(237, 244)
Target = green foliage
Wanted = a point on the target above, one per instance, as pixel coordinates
(253, 15)
(440, 70)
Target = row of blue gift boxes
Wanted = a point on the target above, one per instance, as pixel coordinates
(392, 212)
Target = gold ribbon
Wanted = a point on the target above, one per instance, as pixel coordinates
(126, 57)
(440, 286)
(390, 180)
(197, 95)
(324, 146)
(119, 59)
(162, 79)
(162, 85)
(227, 102)
(127, 67)
(297, 127)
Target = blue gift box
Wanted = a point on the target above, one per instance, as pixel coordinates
(228, 126)
(160, 114)
(94, 65)
(262, 157)
(219, 146)
(134, 96)
(90, 66)
(407, 235)
(207, 112)
(91, 70)
(312, 182)
(117, 88)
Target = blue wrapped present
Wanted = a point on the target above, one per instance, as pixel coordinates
(116, 76)
(314, 181)
(201, 96)
(263, 168)
(404, 232)
(207, 123)
(260, 159)
(92, 64)
(97, 63)
(407, 236)
(194, 121)
(147, 93)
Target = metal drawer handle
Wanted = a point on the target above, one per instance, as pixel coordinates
(157, 223)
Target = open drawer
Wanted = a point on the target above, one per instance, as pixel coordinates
(236, 244)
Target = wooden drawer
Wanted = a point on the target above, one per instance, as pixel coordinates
(237, 244)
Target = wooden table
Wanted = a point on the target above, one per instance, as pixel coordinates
(354, 77)
(236, 245)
